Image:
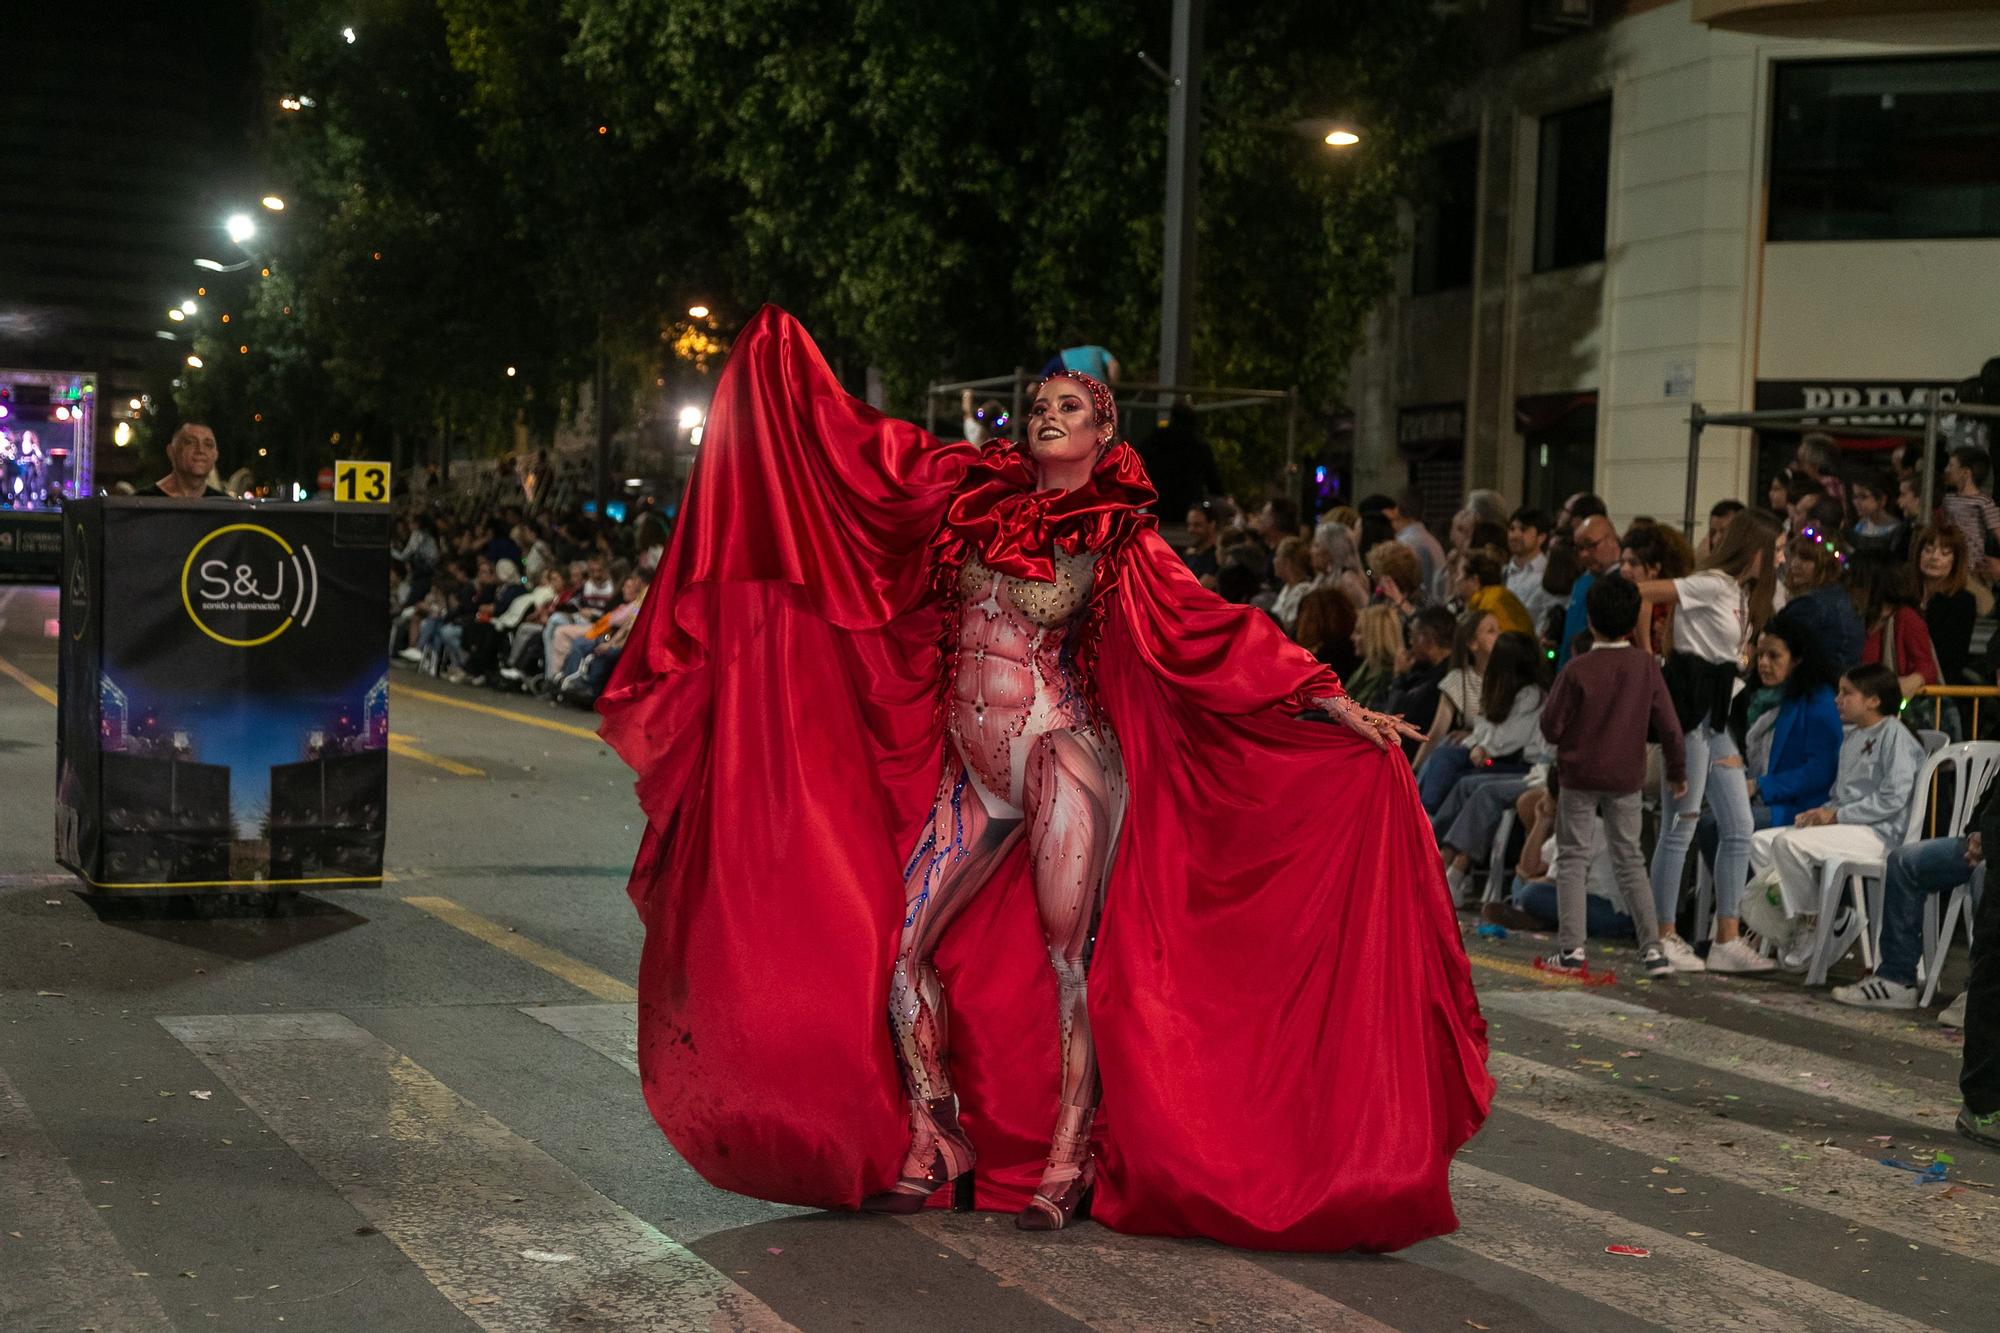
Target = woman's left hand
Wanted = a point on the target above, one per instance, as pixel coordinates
(1380, 728)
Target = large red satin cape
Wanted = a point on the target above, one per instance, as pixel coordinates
(1285, 1020)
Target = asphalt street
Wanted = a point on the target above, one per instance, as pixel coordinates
(415, 1108)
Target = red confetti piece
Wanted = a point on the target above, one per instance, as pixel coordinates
(1629, 1251)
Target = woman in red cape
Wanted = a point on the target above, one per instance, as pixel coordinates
(1279, 1045)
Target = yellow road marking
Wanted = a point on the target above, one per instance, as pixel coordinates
(400, 744)
(546, 723)
(28, 682)
(580, 975)
(1514, 969)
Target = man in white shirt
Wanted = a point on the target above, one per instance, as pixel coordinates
(1527, 540)
(1406, 516)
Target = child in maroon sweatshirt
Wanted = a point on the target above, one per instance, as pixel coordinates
(1596, 716)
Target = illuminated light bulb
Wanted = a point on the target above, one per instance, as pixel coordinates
(176, 316)
(510, 372)
(697, 312)
(121, 434)
(194, 362)
(690, 417)
(273, 202)
(1342, 139)
(189, 307)
(240, 227)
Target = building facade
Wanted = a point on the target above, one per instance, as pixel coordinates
(1741, 204)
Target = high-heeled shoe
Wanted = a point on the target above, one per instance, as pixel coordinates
(940, 1154)
(1063, 1196)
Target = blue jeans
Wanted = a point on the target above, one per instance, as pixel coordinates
(1916, 871)
(1440, 773)
(1538, 898)
(1727, 794)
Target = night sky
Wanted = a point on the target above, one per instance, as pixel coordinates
(126, 132)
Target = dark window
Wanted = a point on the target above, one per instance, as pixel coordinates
(1866, 150)
(1448, 219)
(1572, 185)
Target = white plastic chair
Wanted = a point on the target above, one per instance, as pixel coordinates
(1939, 927)
(1933, 741)
(1973, 763)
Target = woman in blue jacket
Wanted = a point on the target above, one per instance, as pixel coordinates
(1792, 749)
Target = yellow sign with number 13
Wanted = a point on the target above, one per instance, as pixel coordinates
(360, 481)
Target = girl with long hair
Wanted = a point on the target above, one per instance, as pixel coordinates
(1505, 740)
(1718, 611)
(1443, 758)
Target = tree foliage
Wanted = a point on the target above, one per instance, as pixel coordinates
(939, 191)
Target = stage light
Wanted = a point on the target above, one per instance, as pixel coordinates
(690, 417)
(274, 203)
(121, 434)
(697, 312)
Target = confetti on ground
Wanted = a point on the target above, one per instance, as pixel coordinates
(1628, 1251)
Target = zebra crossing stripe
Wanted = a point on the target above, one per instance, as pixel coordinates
(1680, 1284)
(1793, 1166)
(1916, 1027)
(1773, 1063)
(500, 1228)
(612, 1030)
(59, 1265)
(1141, 1283)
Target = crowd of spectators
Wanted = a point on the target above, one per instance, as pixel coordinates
(511, 596)
(1763, 695)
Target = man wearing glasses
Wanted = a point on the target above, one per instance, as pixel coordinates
(191, 454)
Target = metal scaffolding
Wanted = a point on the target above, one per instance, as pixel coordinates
(1803, 420)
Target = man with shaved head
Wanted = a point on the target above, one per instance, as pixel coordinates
(1597, 551)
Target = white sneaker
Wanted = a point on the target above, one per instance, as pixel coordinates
(1877, 993)
(1953, 1014)
(1736, 956)
(1454, 880)
(1682, 955)
(411, 655)
(510, 673)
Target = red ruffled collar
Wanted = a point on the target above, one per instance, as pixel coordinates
(1015, 529)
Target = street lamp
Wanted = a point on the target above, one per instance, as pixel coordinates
(1342, 138)
(176, 315)
(194, 362)
(690, 417)
(697, 312)
(240, 227)
(277, 205)
(188, 307)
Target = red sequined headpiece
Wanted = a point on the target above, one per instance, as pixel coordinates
(1103, 406)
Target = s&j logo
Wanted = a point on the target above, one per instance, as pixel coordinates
(244, 585)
